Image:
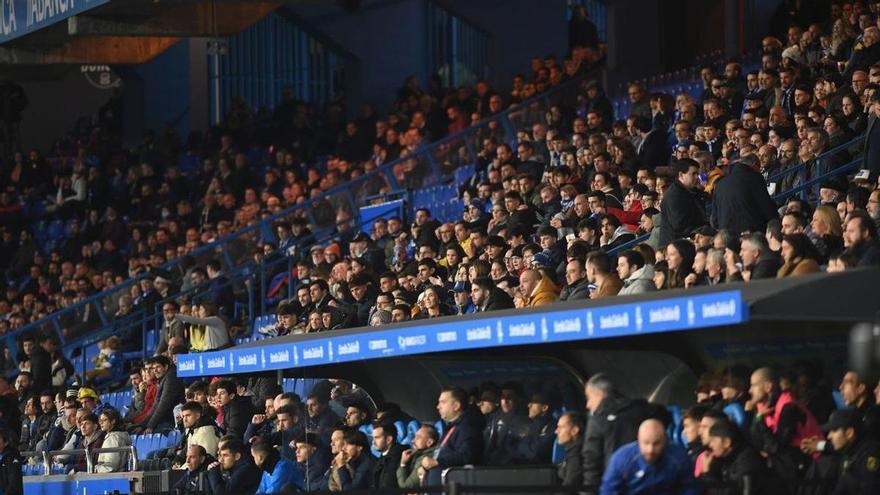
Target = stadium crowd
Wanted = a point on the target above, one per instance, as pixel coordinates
(127, 212)
(552, 220)
(779, 430)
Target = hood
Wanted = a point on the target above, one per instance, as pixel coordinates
(620, 231)
(545, 285)
(644, 273)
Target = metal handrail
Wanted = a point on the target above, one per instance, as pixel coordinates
(48, 455)
(802, 165)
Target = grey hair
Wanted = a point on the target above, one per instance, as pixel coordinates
(600, 381)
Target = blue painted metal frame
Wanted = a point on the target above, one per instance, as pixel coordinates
(476, 332)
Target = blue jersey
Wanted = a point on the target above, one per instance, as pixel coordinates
(628, 473)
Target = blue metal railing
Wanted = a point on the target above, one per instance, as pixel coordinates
(269, 56)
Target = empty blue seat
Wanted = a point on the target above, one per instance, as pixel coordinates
(674, 430)
(172, 439)
(736, 413)
(411, 428)
(838, 399)
(401, 431)
(439, 427)
(55, 231)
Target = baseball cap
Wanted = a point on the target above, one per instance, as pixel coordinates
(543, 260)
(842, 418)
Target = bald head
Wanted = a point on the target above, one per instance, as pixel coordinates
(528, 280)
(652, 440)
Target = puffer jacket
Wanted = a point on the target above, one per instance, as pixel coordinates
(640, 282)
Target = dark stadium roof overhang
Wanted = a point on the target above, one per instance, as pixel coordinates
(48, 32)
(839, 298)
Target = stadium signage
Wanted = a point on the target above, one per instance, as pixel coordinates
(20, 17)
(619, 320)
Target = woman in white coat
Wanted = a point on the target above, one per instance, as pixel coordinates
(114, 437)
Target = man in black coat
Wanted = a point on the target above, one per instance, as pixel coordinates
(614, 421)
(41, 361)
(732, 459)
(10, 467)
(237, 410)
(487, 297)
(196, 462)
(169, 394)
(871, 146)
(570, 435)
(390, 452)
(462, 441)
(740, 201)
(653, 151)
(681, 211)
(234, 472)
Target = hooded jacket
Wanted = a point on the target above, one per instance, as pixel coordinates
(113, 462)
(544, 293)
(279, 474)
(640, 282)
(498, 299)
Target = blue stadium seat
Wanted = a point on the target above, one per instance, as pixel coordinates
(55, 231)
(141, 444)
(838, 399)
(401, 431)
(152, 342)
(674, 430)
(439, 426)
(411, 428)
(172, 439)
(736, 413)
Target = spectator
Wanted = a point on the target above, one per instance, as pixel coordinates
(353, 465)
(114, 438)
(861, 239)
(199, 430)
(536, 289)
(487, 297)
(781, 423)
(600, 273)
(462, 443)
(649, 465)
(637, 276)
(171, 326)
(569, 434)
(196, 465)
(577, 286)
(92, 438)
(798, 255)
(234, 471)
(169, 391)
(682, 211)
(279, 474)
(310, 462)
(856, 455)
(740, 199)
(757, 259)
(10, 466)
(209, 330)
(424, 445)
(614, 421)
(731, 460)
(237, 410)
(390, 455)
